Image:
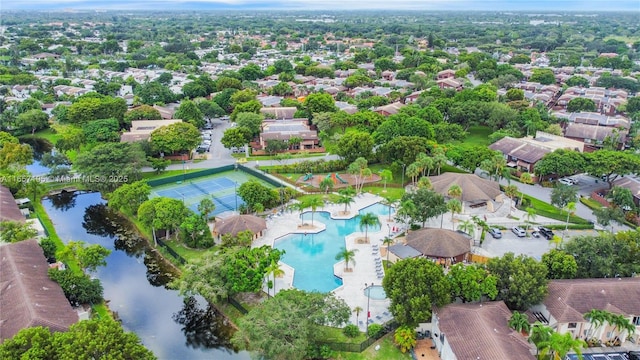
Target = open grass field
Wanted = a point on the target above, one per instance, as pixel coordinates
(478, 135)
(387, 351)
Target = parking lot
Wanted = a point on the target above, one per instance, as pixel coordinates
(531, 246)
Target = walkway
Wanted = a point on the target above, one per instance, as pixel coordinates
(364, 270)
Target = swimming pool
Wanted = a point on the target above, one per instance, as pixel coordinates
(375, 292)
(314, 255)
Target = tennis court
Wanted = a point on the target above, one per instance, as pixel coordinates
(221, 188)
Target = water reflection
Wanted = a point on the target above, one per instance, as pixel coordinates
(203, 327)
(63, 201)
(134, 282)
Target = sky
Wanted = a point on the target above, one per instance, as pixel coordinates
(454, 5)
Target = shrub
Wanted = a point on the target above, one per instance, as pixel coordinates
(375, 330)
(351, 331)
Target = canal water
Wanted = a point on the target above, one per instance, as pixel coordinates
(135, 280)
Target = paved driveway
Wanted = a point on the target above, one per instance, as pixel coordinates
(587, 185)
(533, 247)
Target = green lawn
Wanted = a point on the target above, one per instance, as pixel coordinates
(48, 134)
(478, 135)
(387, 351)
(547, 210)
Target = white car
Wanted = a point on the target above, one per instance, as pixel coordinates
(566, 181)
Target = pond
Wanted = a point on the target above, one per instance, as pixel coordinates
(135, 284)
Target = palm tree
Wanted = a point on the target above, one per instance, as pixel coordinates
(367, 220)
(595, 317)
(539, 335)
(413, 171)
(570, 208)
(439, 158)
(357, 310)
(467, 226)
(347, 256)
(405, 211)
(455, 206)
(424, 183)
(389, 202)
(519, 322)
(455, 191)
(558, 345)
(511, 191)
(387, 241)
(425, 163)
(386, 175)
(299, 206)
(556, 240)
(619, 322)
(275, 270)
(314, 203)
(530, 216)
(347, 200)
(326, 185)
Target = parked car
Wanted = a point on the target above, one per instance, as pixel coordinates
(565, 181)
(519, 231)
(547, 233)
(495, 232)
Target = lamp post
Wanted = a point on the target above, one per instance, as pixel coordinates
(367, 292)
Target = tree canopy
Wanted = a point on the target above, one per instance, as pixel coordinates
(285, 326)
(77, 343)
(414, 286)
(522, 281)
(175, 138)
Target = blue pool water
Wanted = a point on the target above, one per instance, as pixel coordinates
(314, 255)
(375, 292)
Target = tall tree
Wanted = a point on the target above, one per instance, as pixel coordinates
(562, 194)
(366, 221)
(347, 256)
(285, 327)
(76, 343)
(560, 265)
(527, 288)
(175, 138)
(414, 286)
(427, 205)
(189, 112)
(89, 257)
(472, 283)
(110, 165)
(129, 197)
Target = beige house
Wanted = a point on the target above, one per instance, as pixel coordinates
(142, 129)
(283, 130)
(524, 153)
(568, 301)
(476, 191)
(440, 245)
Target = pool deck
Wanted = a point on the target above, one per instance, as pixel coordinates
(364, 270)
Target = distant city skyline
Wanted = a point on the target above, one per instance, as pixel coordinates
(454, 5)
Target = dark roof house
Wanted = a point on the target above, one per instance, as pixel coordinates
(28, 297)
(477, 331)
(237, 223)
(9, 210)
(439, 243)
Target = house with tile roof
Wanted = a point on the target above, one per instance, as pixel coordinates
(477, 331)
(568, 301)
